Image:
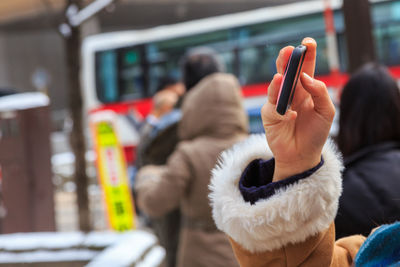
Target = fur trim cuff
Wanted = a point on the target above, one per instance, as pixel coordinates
(291, 215)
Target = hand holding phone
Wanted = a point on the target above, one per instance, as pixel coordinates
(297, 137)
(290, 79)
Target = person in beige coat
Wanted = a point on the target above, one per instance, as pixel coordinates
(276, 195)
(213, 119)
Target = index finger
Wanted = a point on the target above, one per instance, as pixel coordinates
(283, 58)
(273, 89)
(309, 60)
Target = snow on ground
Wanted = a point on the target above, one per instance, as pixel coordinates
(121, 249)
(126, 252)
(40, 240)
(68, 158)
(48, 256)
(153, 258)
(104, 239)
(59, 240)
(23, 101)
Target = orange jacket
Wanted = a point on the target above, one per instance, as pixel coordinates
(294, 226)
(319, 250)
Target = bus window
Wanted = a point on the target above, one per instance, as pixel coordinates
(228, 57)
(106, 76)
(158, 71)
(386, 20)
(248, 60)
(257, 64)
(162, 62)
(342, 50)
(132, 76)
(388, 44)
(393, 45)
(321, 65)
(119, 75)
(163, 57)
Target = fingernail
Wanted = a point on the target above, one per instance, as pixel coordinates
(308, 78)
(308, 40)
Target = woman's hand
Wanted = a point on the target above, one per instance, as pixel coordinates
(297, 138)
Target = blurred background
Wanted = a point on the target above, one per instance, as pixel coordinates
(62, 61)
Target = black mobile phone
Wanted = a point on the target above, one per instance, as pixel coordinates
(290, 78)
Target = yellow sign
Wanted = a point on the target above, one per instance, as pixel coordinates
(112, 172)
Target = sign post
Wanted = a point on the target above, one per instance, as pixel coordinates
(112, 171)
(333, 52)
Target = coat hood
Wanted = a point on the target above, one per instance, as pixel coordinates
(214, 107)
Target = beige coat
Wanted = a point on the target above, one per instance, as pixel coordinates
(213, 120)
(294, 227)
(317, 251)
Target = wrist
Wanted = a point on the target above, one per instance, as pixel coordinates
(284, 170)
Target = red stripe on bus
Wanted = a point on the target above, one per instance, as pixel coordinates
(331, 80)
(335, 79)
(395, 71)
(143, 106)
(255, 89)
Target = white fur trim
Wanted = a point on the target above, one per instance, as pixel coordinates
(291, 215)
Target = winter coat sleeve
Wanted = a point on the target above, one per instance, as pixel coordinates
(159, 189)
(289, 223)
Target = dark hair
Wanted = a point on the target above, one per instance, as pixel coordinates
(166, 81)
(369, 109)
(199, 63)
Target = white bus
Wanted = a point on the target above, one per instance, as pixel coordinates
(121, 70)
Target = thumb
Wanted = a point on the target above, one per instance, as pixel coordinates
(319, 93)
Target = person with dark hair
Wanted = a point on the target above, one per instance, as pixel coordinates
(213, 119)
(199, 63)
(166, 81)
(171, 83)
(369, 139)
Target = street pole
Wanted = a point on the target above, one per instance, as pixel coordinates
(360, 42)
(331, 44)
(75, 15)
(77, 137)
